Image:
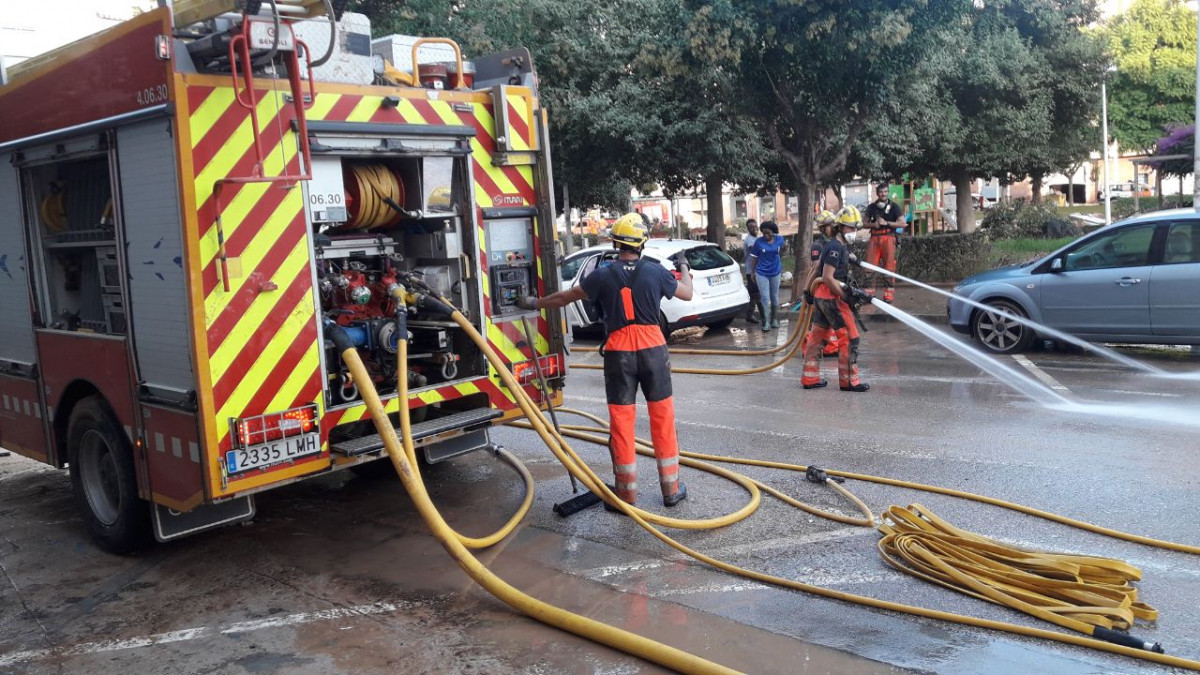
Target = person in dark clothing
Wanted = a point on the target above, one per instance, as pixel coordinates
(832, 313)
(826, 221)
(629, 291)
(885, 218)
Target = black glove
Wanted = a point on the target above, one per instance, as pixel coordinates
(527, 302)
(856, 297)
(680, 260)
(808, 298)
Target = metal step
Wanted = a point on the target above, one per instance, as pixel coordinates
(458, 422)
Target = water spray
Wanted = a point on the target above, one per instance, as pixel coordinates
(1029, 323)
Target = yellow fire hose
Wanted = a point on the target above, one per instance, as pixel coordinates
(628, 642)
(796, 344)
(719, 352)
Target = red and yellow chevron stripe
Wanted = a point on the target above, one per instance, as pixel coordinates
(260, 338)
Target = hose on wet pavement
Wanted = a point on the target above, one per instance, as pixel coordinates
(400, 451)
(794, 345)
(718, 352)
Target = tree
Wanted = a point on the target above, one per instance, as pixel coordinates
(1181, 140)
(1154, 46)
(811, 74)
(1012, 96)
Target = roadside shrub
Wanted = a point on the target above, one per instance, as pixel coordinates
(1124, 208)
(1018, 220)
(939, 257)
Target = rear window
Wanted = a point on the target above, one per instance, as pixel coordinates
(707, 258)
(570, 267)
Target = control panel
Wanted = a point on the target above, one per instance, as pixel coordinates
(511, 268)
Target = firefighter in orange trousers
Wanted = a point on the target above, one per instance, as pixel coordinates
(832, 312)
(885, 218)
(825, 220)
(628, 292)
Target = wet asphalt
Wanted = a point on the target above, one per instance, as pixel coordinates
(338, 574)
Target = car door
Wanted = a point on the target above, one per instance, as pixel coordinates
(580, 313)
(1175, 282)
(1101, 287)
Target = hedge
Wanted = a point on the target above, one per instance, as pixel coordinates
(939, 257)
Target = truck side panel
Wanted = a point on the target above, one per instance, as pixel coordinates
(16, 321)
(158, 298)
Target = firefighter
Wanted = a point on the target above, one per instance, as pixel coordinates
(825, 222)
(628, 292)
(885, 217)
(832, 312)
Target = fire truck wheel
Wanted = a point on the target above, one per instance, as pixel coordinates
(104, 479)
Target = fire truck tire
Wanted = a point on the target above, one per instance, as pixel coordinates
(104, 479)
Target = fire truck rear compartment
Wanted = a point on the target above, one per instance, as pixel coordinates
(381, 221)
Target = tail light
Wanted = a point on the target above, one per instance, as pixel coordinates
(526, 371)
(677, 275)
(248, 431)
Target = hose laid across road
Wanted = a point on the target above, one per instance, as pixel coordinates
(401, 451)
(796, 343)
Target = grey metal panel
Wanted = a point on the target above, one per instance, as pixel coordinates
(16, 321)
(153, 240)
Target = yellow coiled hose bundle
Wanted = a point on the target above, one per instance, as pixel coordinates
(376, 186)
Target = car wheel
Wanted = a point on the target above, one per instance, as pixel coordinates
(719, 325)
(664, 326)
(999, 334)
(104, 479)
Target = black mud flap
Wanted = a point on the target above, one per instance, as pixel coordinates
(170, 524)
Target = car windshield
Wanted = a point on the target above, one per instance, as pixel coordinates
(570, 266)
(707, 258)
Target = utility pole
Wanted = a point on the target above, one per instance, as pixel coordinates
(1196, 151)
(570, 244)
(1104, 149)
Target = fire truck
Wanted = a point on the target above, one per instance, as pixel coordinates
(190, 198)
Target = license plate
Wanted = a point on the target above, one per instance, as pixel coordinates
(266, 454)
(718, 279)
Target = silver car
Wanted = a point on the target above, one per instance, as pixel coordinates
(1136, 281)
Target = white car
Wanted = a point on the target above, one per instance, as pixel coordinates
(719, 293)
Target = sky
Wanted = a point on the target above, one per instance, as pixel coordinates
(28, 29)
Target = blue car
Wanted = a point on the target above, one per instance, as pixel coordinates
(1136, 281)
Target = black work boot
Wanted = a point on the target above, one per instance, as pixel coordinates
(680, 495)
(861, 386)
(817, 385)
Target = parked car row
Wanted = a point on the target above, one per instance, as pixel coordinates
(1136, 281)
(720, 294)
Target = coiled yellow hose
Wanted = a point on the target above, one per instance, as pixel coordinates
(376, 183)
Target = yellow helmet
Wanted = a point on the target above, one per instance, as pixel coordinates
(825, 217)
(630, 230)
(849, 216)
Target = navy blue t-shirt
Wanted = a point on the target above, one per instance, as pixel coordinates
(835, 254)
(653, 283)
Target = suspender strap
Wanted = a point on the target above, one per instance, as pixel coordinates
(627, 289)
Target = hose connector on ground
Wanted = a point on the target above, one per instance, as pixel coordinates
(1126, 640)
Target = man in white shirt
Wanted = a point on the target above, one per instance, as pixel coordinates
(751, 284)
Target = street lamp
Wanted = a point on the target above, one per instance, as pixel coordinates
(1104, 143)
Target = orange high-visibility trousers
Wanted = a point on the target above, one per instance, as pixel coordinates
(881, 252)
(832, 317)
(636, 356)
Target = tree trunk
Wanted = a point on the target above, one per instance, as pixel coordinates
(569, 244)
(803, 238)
(964, 204)
(1071, 185)
(1037, 177)
(714, 187)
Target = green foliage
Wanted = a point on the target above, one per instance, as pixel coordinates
(1154, 45)
(939, 257)
(1013, 94)
(1017, 220)
(1124, 206)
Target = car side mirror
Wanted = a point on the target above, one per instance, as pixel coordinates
(1056, 265)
